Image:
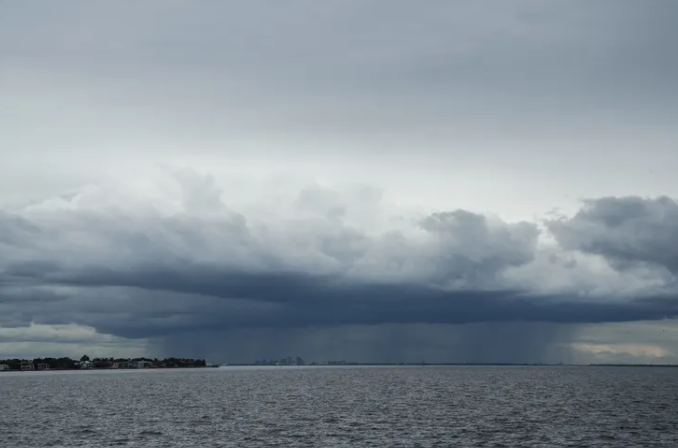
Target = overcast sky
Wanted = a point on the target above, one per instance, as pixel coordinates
(384, 180)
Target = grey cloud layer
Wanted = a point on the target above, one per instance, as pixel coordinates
(366, 67)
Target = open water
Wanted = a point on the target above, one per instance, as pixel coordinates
(342, 407)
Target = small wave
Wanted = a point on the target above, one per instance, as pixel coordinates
(149, 432)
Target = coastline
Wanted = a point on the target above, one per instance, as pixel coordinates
(85, 363)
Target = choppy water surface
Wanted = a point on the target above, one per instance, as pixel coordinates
(337, 407)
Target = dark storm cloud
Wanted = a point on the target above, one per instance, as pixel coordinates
(627, 231)
(311, 270)
(310, 302)
(298, 300)
(148, 275)
(204, 276)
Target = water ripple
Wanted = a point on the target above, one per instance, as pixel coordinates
(342, 407)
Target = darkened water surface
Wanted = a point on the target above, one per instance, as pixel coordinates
(333, 407)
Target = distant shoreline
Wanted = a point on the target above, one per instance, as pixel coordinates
(85, 363)
(66, 364)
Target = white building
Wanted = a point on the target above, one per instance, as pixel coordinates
(27, 365)
(4, 368)
(85, 364)
(143, 364)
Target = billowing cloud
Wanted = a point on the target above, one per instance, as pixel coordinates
(626, 231)
(325, 258)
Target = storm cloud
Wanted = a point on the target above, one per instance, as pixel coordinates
(140, 272)
(339, 178)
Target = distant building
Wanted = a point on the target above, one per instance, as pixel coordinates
(86, 365)
(143, 364)
(120, 365)
(42, 366)
(27, 365)
(4, 368)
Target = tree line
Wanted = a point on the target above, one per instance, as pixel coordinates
(100, 363)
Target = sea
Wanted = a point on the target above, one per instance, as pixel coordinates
(417, 406)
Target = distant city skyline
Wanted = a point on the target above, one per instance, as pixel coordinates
(375, 181)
